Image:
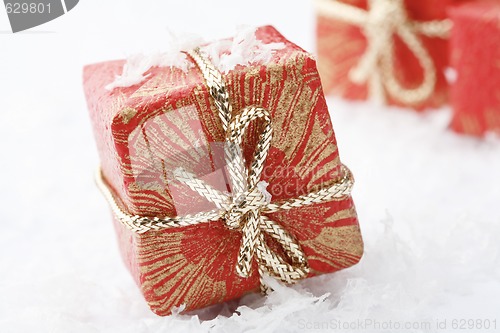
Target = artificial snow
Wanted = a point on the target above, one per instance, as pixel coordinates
(262, 187)
(427, 200)
(225, 54)
(243, 49)
(138, 64)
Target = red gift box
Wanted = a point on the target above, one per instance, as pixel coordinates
(169, 120)
(406, 36)
(475, 55)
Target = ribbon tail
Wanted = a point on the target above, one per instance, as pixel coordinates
(274, 265)
(289, 244)
(264, 277)
(368, 70)
(249, 241)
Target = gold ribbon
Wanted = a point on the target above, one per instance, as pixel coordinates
(245, 208)
(244, 205)
(383, 20)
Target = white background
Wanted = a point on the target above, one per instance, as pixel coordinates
(428, 199)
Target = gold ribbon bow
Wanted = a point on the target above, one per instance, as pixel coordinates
(245, 208)
(383, 20)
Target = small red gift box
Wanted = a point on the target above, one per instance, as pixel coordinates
(475, 55)
(171, 123)
(394, 51)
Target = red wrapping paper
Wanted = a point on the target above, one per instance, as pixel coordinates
(168, 121)
(340, 46)
(475, 55)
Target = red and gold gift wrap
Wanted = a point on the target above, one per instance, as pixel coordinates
(341, 45)
(475, 55)
(169, 120)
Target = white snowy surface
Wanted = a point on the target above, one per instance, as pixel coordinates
(428, 200)
(243, 49)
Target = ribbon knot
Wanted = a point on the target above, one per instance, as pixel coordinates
(251, 200)
(380, 23)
